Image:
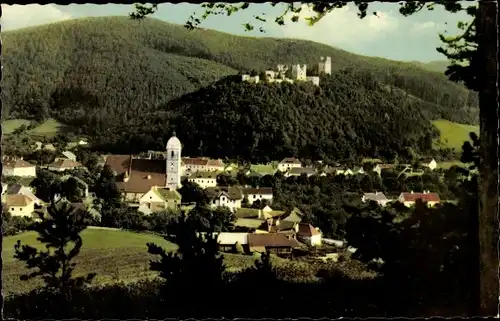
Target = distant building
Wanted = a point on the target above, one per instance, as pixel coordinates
(378, 197)
(409, 199)
(13, 166)
(204, 179)
(19, 205)
(288, 163)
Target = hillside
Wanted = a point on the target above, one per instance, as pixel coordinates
(109, 75)
(437, 65)
(348, 115)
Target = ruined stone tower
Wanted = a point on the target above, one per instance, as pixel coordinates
(325, 65)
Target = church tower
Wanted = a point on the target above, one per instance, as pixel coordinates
(174, 149)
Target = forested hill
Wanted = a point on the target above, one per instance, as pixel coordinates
(109, 75)
(348, 115)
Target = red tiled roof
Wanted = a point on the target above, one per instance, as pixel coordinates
(426, 197)
(15, 163)
(195, 161)
(307, 230)
(271, 240)
(144, 174)
(119, 163)
(17, 200)
(215, 163)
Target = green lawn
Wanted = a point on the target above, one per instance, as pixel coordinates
(263, 169)
(116, 256)
(8, 126)
(453, 135)
(48, 128)
(446, 165)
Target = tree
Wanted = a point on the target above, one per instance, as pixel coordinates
(60, 231)
(105, 188)
(192, 193)
(194, 267)
(473, 55)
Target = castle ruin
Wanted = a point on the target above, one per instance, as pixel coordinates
(298, 73)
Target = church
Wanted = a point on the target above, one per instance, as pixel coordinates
(135, 177)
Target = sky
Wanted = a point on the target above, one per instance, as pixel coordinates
(388, 35)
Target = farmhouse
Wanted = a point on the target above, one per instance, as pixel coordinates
(409, 199)
(201, 164)
(18, 189)
(13, 166)
(310, 234)
(160, 199)
(62, 165)
(19, 205)
(66, 155)
(230, 197)
(288, 163)
(378, 197)
(204, 179)
(276, 243)
(259, 193)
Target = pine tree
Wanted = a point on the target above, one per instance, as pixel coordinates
(59, 230)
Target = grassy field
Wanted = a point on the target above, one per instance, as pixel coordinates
(8, 126)
(446, 165)
(453, 135)
(264, 169)
(116, 256)
(48, 128)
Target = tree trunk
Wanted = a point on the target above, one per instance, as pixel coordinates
(488, 170)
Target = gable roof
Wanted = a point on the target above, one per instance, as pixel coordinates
(69, 155)
(167, 194)
(307, 230)
(194, 161)
(17, 200)
(232, 192)
(295, 215)
(377, 196)
(65, 163)
(271, 240)
(119, 163)
(15, 163)
(426, 197)
(252, 223)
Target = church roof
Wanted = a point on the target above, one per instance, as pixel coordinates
(174, 143)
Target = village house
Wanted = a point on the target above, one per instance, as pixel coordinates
(409, 199)
(62, 165)
(298, 171)
(258, 193)
(160, 199)
(429, 162)
(276, 243)
(295, 215)
(228, 241)
(49, 147)
(18, 189)
(66, 155)
(378, 197)
(13, 166)
(19, 205)
(309, 234)
(288, 163)
(203, 179)
(380, 167)
(342, 171)
(230, 197)
(190, 165)
(256, 220)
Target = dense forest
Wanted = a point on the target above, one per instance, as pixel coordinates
(111, 78)
(348, 115)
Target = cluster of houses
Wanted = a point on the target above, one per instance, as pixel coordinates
(150, 184)
(298, 72)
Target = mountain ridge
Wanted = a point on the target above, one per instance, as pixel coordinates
(109, 74)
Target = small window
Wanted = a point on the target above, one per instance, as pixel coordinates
(12, 209)
(255, 196)
(172, 154)
(213, 201)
